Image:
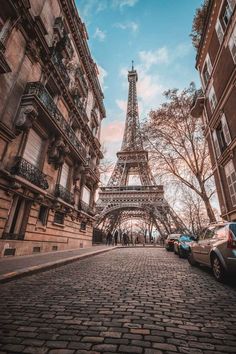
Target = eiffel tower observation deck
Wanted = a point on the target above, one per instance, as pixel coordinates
(131, 191)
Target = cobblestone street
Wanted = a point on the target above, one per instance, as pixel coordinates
(141, 300)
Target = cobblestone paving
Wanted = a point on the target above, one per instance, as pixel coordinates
(125, 301)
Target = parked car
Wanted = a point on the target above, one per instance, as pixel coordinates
(169, 242)
(182, 245)
(216, 248)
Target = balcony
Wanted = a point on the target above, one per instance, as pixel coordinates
(64, 194)
(38, 90)
(31, 173)
(86, 208)
(57, 61)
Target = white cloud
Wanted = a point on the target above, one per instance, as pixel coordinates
(102, 75)
(99, 34)
(133, 26)
(88, 7)
(122, 105)
(159, 56)
(123, 3)
(112, 132)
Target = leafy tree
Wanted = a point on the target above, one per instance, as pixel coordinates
(198, 23)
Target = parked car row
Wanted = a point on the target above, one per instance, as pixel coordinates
(214, 248)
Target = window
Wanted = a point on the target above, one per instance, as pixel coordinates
(219, 31)
(59, 218)
(17, 219)
(43, 215)
(83, 226)
(212, 99)
(226, 12)
(33, 148)
(231, 180)
(225, 129)
(207, 69)
(86, 195)
(65, 171)
(216, 144)
(221, 136)
(232, 45)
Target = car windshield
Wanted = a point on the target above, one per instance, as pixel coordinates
(232, 228)
(186, 238)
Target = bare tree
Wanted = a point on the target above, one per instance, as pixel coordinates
(105, 167)
(178, 146)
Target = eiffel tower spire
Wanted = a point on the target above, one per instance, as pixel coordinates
(132, 139)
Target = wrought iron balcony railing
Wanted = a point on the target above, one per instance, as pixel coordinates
(31, 173)
(87, 208)
(64, 194)
(61, 68)
(37, 89)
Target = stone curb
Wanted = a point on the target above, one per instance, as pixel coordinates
(50, 265)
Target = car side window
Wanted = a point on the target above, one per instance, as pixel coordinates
(221, 233)
(209, 233)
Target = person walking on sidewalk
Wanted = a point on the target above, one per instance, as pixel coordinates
(116, 234)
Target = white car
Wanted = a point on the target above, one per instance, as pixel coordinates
(216, 248)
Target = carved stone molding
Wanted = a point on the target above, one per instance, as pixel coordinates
(25, 119)
(57, 151)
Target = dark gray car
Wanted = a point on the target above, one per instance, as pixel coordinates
(216, 248)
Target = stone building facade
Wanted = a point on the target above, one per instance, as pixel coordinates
(216, 63)
(51, 108)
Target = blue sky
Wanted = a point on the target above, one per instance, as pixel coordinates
(153, 33)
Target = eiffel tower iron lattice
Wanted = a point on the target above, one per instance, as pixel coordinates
(122, 199)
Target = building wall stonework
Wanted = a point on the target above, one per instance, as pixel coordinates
(51, 108)
(216, 63)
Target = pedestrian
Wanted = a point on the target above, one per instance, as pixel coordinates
(116, 234)
(108, 238)
(125, 239)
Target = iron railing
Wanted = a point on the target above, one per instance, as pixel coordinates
(37, 89)
(28, 171)
(64, 194)
(87, 208)
(133, 188)
(61, 68)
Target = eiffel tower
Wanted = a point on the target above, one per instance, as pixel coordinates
(131, 191)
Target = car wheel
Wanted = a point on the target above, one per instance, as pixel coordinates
(191, 260)
(218, 269)
(180, 253)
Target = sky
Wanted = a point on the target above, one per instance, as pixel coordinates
(152, 33)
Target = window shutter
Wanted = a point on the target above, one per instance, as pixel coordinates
(216, 143)
(225, 129)
(232, 45)
(33, 148)
(219, 31)
(86, 195)
(209, 66)
(64, 175)
(231, 4)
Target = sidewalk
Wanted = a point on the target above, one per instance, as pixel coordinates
(15, 267)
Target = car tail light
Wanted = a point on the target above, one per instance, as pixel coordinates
(231, 243)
